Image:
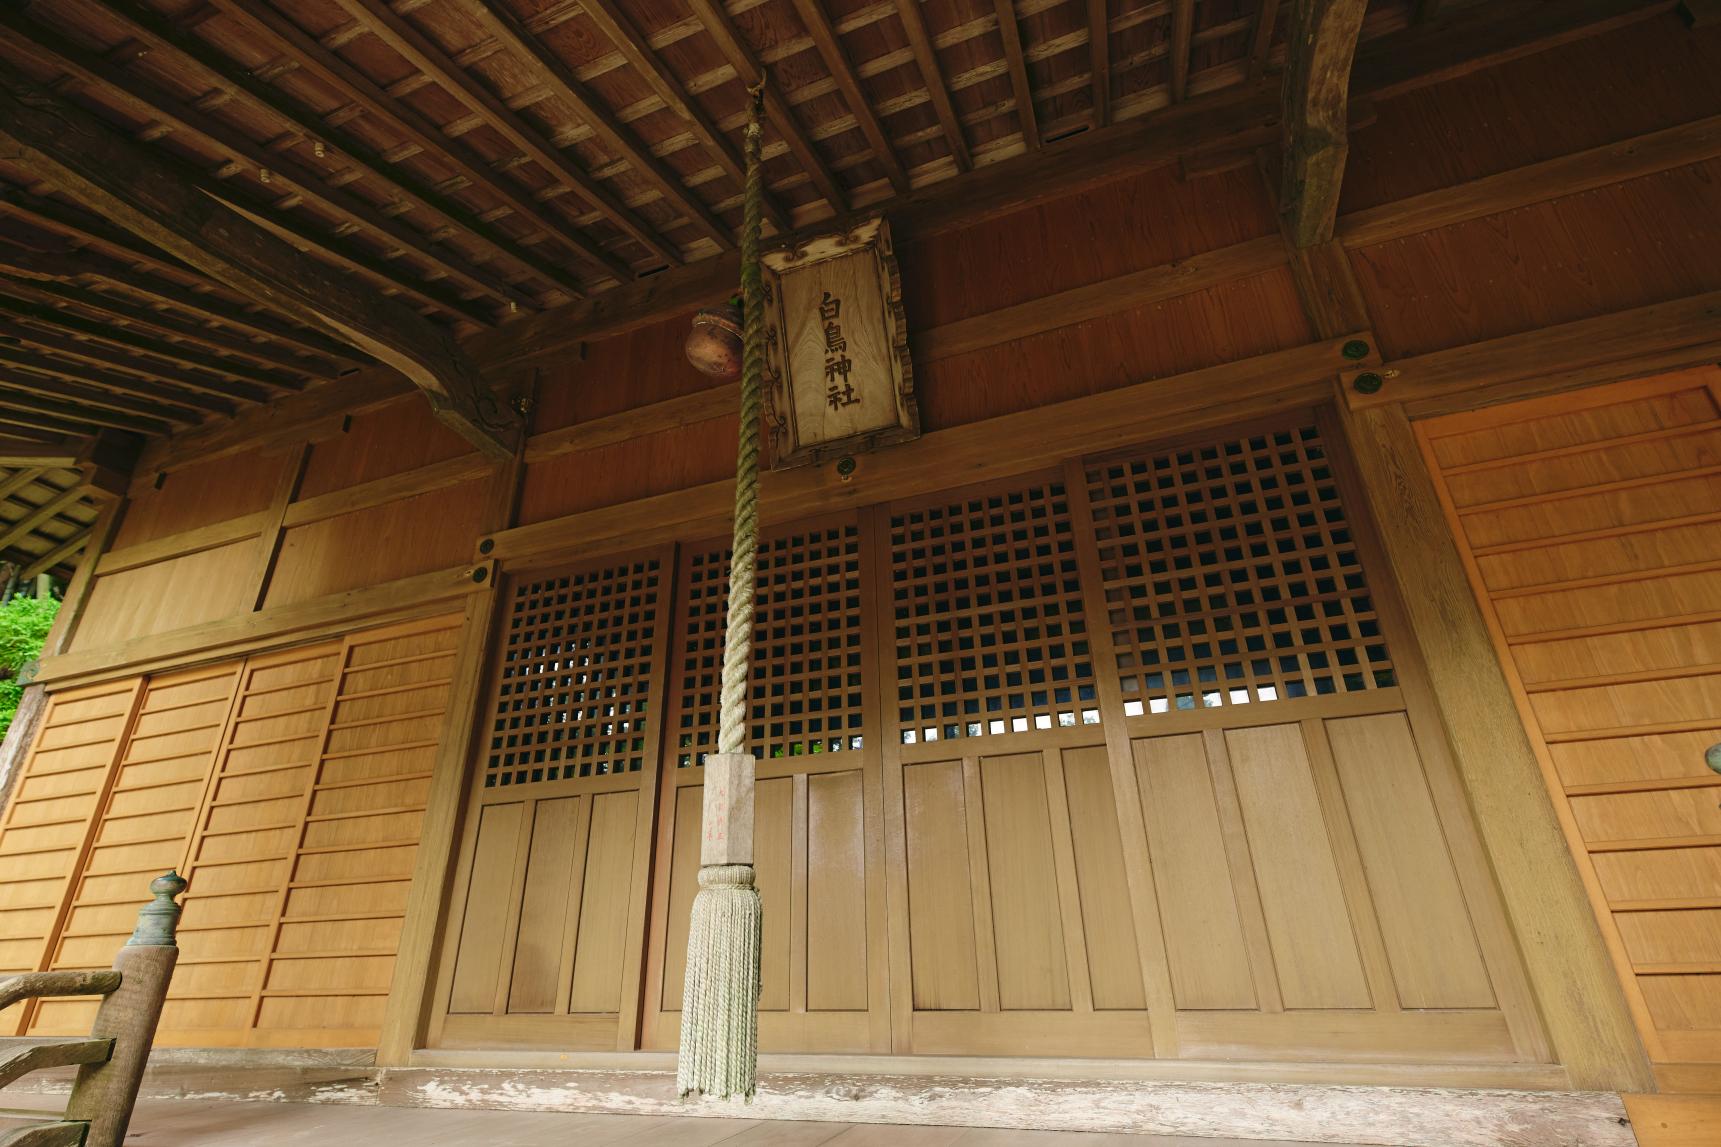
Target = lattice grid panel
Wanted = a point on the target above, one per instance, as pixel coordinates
(806, 693)
(987, 608)
(574, 696)
(1231, 576)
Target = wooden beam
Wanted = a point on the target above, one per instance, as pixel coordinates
(627, 39)
(421, 595)
(15, 300)
(1182, 34)
(722, 31)
(133, 187)
(56, 293)
(1315, 133)
(154, 30)
(36, 455)
(1099, 61)
(1095, 300)
(86, 402)
(830, 49)
(17, 531)
(508, 29)
(422, 53)
(33, 472)
(317, 353)
(58, 555)
(932, 75)
(1261, 39)
(1563, 952)
(24, 395)
(354, 85)
(56, 51)
(105, 356)
(1641, 341)
(115, 384)
(1017, 65)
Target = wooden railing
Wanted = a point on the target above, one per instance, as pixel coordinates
(111, 1060)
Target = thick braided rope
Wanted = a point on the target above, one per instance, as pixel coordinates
(719, 1008)
(738, 641)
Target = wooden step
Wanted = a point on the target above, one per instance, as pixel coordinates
(22, 1056)
(29, 1129)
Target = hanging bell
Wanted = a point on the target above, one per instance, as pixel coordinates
(714, 343)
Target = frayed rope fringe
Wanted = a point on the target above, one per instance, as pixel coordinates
(720, 1007)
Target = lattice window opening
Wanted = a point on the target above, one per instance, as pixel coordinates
(573, 698)
(806, 683)
(991, 637)
(1231, 576)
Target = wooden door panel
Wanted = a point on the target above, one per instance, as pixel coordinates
(600, 949)
(1314, 948)
(1197, 902)
(551, 881)
(1108, 925)
(940, 892)
(1027, 927)
(1426, 926)
(837, 944)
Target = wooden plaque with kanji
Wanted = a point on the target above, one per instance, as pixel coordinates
(840, 377)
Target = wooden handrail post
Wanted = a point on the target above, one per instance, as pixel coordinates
(105, 1093)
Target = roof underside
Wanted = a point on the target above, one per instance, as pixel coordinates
(483, 161)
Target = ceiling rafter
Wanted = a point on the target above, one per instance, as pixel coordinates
(175, 330)
(59, 555)
(85, 396)
(54, 50)
(332, 70)
(782, 118)
(506, 27)
(1261, 41)
(156, 30)
(84, 351)
(15, 300)
(932, 77)
(23, 527)
(1099, 61)
(633, 49)
(1182, 34)
(418, 50)
(95, 378)
(314, 352)
(1017, 66)
(830, 48)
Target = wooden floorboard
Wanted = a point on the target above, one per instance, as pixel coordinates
(224, 1123)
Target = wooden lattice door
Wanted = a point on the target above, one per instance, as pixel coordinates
(817, 842)
(544, 939)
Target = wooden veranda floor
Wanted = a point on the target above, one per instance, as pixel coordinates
(228, 1123)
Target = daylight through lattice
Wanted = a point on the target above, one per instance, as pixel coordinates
(573, 699)
(987, 603)
(1231, 576)
(806, 692)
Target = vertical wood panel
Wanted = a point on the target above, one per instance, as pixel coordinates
(940, 903)
(1430, 939)
(1027, 928)
(1114, 965)
(600, 950)
(1314, 950)
(1203, 931)
(836, 889)
(478, 959)
(532, 987)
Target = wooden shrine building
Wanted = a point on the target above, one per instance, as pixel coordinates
(1287, 653)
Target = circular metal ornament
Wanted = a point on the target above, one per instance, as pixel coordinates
(1367, 382)
(1712, 758)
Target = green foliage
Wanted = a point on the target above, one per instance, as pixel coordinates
(24, 624)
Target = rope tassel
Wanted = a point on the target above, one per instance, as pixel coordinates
(720, 1003)
(720, 1008)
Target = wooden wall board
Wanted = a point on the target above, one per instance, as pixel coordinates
(1651, 75)
(1620, 483)
(1627, 245)
(398, 539)
(400, 436)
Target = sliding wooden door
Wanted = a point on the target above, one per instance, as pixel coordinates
(545, 938)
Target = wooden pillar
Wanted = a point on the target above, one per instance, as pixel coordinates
(407, 1011)
(1574, 981)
